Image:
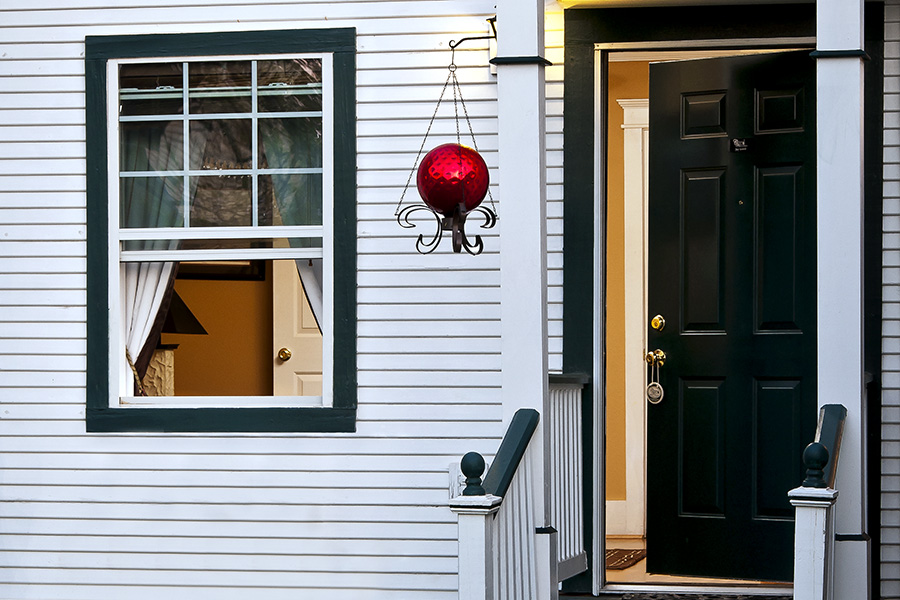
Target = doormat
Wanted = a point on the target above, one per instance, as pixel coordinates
(617, 560)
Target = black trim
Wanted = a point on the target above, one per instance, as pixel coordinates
(569, 378)
(851, 537)
(341, 42)
(873, 256)
(521, 60)
(207, 420)
(840, 54)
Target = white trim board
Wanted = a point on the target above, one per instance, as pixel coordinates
(627, 517)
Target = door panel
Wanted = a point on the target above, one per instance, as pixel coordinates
(701, 246)
(776, 294)
(732, 269)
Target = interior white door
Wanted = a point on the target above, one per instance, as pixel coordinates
(296, 339)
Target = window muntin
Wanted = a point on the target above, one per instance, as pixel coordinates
(218, 159)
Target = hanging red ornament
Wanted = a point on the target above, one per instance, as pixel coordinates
(452, 175)
(452, 180)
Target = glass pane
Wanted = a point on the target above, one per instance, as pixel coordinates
(221, 201)
(264, 341)
(151, 202)
(221, 145)
(290, 199)
(290, 85)
(151, 89)
(219, 87)
(290, 143)
(151, 146)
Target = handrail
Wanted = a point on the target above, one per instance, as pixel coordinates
(821, 456)
(511, 451)
(828, 433)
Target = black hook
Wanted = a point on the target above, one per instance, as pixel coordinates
(493, 36)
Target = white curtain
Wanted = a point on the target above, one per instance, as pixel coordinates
(145, 287)
(151, 201)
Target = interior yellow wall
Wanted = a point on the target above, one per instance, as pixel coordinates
(235, 359)
(626, 81)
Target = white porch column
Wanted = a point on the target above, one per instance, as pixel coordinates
(839, 155)
(523, 266)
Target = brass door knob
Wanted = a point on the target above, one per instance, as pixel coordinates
(656, 358)
(284, 354)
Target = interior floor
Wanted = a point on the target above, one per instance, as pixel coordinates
(638, 572)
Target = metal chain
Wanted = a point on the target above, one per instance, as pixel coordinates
(472, 134)
(424, 139)
(457, 97)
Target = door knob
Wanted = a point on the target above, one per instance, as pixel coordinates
(284, 354)
(656, 358)
(658, 323)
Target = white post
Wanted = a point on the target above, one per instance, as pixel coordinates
(523, 257)
(813, 543)
(476, 545)
(839, 183)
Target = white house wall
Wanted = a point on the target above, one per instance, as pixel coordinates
(250, 516)
(890, 414)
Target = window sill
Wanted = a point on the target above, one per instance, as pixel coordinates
(181, 402)
(221, 420)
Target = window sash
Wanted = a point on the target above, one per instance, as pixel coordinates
(121, 378)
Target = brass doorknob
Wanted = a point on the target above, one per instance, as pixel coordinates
(656, 358)
(284, 354)
(658, 322)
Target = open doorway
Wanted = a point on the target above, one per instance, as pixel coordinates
(627, 320)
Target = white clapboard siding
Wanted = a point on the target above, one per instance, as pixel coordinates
(253, 516)
(890, 413)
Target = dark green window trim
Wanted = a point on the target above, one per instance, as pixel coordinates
(342, 416)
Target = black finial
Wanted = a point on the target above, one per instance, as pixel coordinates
(815, 457)
(472, 466)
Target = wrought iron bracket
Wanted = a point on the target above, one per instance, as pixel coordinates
(455, 224)
(492, 20)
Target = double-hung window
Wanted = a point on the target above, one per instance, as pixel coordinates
(221, 231)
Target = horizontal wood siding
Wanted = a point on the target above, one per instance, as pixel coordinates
(111, 516)
(890, 413)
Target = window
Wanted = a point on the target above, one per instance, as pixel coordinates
(221, 232)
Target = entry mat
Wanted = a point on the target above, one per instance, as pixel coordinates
(622, 559)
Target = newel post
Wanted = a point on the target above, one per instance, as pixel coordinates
(814, 529)
(475, 513)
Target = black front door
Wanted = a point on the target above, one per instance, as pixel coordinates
(732, 259)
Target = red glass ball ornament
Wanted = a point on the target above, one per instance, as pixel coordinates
(452, 174)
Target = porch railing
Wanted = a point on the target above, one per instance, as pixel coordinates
(498, 554)
(566, 472)
(505, 551)
(814, 503)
